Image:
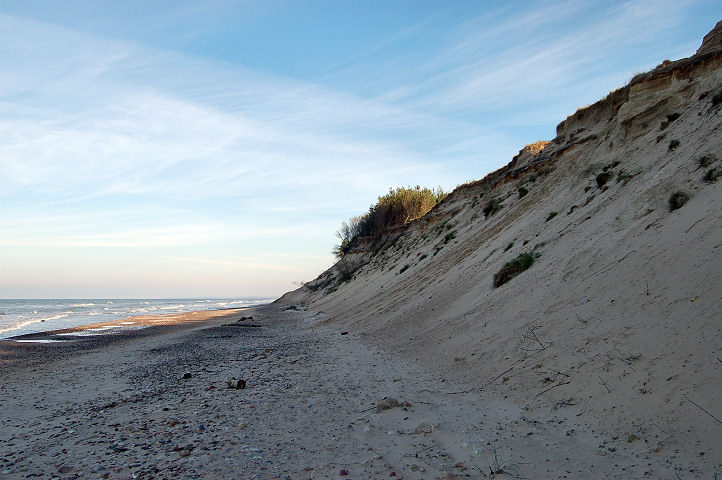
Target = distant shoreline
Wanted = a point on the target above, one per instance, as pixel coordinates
(60, 342)
(28, 316)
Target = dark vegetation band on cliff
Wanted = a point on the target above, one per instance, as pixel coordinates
(396, 208)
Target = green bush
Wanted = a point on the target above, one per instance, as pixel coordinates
(522, 191)
(404, 268)
(513, 268)
(341, 250)
(705, 161)
(449, 236)
(551, 215)
(492, 206)
(673, 144)
(677, 200)
(712, 175)
(603, 178)
(717, 98)
(398, 207)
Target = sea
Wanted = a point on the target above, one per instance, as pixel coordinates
(20, 317)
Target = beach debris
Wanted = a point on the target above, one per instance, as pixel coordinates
(187, 375)
(424, 428)
(291, 307)
(243, 319)
(343, 472)
(184, 451)
(236, 383)
(119, 447)
(344, 333)
(387, 403)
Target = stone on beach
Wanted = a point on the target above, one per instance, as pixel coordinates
(424, 428)
(387, 403)
(236, 383)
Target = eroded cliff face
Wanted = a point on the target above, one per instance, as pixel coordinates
(624, 298)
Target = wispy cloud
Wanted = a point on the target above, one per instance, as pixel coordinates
(109, 144)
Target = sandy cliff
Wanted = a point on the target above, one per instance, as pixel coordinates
(616, 328)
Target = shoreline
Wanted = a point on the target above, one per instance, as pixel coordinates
(25, 316)
(43, 345)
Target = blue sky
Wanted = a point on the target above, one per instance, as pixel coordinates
(177, 148)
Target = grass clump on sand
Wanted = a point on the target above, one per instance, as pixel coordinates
(493, 206)
(522, 191)
(551, 215)
(673, 144)
(712, 175)
(603, 178)
(717, 98)
(705, 161)
(513, 268)
(677, 200)
(404, 268)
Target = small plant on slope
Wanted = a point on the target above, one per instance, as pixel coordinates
(449, 236)
(603, 178)
(717, 98)
(513, 268)
(712, 175)
(493, 206)
(677, 200)
(705, 161)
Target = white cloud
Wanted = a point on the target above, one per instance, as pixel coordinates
(109, 144)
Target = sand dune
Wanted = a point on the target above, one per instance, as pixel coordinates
(615, 329)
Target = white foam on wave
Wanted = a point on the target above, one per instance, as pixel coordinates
(20, 325)
(52, 317)
(40, 340)
(81, 304)
(171, 307)
(104, 330)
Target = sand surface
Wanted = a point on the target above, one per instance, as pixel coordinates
(123, 409)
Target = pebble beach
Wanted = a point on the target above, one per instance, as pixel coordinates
(266, 392)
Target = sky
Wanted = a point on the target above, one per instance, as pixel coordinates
(190, 149)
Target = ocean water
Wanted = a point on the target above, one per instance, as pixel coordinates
(19, 317)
